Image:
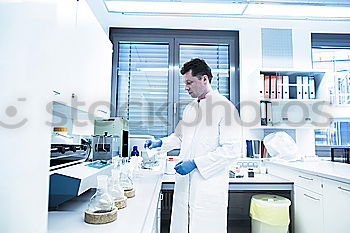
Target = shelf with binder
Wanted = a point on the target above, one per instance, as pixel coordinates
(292, 99)
(302, 85)
(293, 113)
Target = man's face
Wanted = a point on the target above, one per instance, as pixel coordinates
(194, 86)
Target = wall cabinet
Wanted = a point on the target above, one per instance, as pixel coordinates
(93, 63)
(83, 58)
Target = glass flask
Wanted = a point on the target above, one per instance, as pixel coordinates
(114, 187)
(125, 178)
(135, 166)
(101, 201)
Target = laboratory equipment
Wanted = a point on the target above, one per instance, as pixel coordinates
(71, 181)
(70, 174)
(242, 166)
(118, 127)
(116, 190)
(101, 208)
(105, 147)
(68, 154)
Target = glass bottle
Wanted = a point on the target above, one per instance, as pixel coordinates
(134, 151)
(101, 201)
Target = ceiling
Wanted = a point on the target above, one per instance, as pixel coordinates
(110, 11)
(270, 9)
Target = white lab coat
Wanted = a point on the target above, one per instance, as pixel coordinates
(210, 133)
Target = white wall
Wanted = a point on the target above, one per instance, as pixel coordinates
(44, 45)
(25, 70)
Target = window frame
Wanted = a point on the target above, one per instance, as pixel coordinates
(175, 37)
(330, 41)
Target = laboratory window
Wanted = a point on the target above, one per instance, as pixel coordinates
(331, 52)
(147, 86)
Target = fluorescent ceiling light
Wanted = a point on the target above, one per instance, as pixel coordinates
(174, 8)
(297, 11)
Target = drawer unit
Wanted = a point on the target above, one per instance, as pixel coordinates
(283, 172)
(310, 182)
(301, 179)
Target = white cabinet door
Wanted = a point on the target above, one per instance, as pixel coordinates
(336, 206)
(62, 51)
(82, 54)
(93, 63)
(308, 211)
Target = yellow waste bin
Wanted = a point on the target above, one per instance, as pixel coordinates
(269, 213)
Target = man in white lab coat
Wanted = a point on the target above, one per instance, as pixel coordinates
(209, 138)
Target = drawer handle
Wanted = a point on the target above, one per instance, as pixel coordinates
(306, 178)
(161, 197)
(347, 190)
(316, 199)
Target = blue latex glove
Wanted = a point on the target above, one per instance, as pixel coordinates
(185, 167)
(153, 144)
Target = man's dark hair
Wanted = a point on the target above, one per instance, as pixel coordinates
(199, 67)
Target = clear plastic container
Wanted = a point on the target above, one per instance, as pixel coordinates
(101, 201)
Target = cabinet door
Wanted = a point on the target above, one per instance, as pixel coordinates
(93, 63)
(308, 211)
(336, 206)
(62, 52)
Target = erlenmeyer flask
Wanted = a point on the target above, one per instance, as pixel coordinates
(116, 190)
(101, 208)
(101, 201)
(126, 181)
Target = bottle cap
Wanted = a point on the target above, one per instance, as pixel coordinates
(134, 147)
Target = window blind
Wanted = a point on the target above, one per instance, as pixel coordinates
(329, 40)
(143, 87)
(217, 57)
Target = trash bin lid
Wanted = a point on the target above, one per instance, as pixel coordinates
(271, 200)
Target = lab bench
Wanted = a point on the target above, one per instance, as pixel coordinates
(153, 201)
(137, 217)
(240, 192)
